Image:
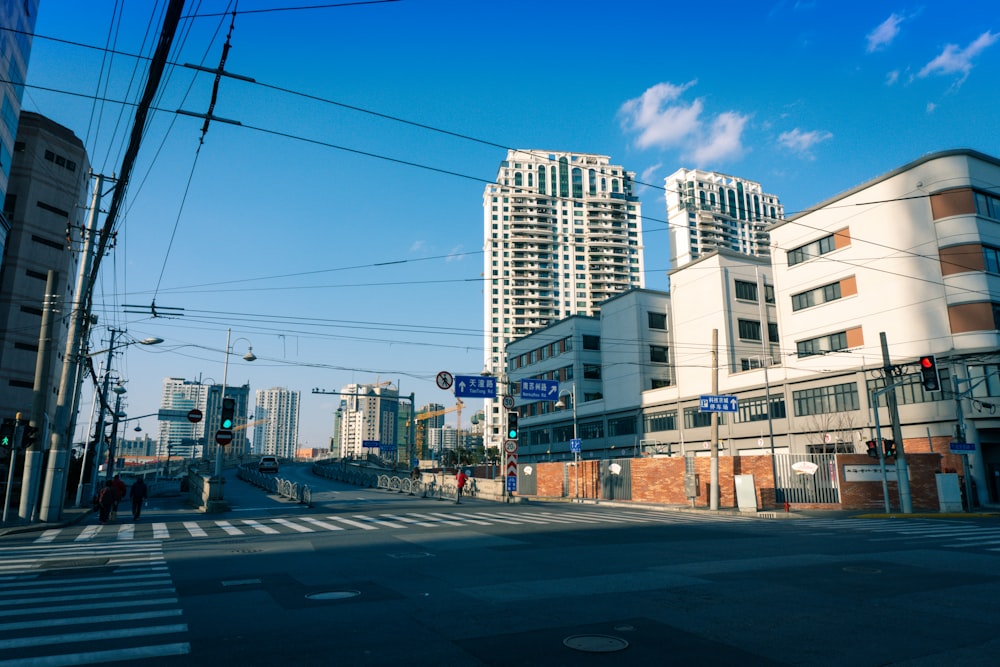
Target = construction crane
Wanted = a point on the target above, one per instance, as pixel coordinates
(435, 413)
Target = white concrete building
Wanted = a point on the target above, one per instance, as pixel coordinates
(707, 211)
(367, 413)
(276, 412)
(563, 233)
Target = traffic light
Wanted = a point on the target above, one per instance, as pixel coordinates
(512, 426)
(929, 373)
(228, 411)
(890, 448)
(872, 449)
(7, 431)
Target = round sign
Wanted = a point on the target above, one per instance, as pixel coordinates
(510, 446)
(223, 437)
(508, 402)
(194, 416)
(445, 380)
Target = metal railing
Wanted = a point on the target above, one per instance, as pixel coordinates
(285, 488)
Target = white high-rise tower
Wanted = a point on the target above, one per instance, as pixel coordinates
(707, 210)
(276, 411)
(563, 232)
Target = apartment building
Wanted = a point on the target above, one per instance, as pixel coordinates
(707, 210)
(563, 233)
(276, 413)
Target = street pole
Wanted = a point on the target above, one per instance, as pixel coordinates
(225, 377)
(39, 399)
(714, 449)
(69, 381)
(119, 390)
(86, 445)
(576, 455)
(902, 474)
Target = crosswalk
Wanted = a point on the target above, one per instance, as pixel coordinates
(67, 604)
(945, 534)
(298, 524)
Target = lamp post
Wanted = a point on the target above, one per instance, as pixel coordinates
(575, 444)
(249, 356)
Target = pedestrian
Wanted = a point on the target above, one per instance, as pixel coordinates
(460, 484)
(120, 488)
(106, 501)
(138, 493)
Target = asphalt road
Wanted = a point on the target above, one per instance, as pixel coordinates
(367, 577)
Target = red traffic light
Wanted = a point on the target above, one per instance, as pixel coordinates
(927, 362)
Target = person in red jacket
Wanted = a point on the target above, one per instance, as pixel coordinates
(460, 484)
(120, 489)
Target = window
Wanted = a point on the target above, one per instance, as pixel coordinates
(657, 321)
(816, 296)
(591, 431)
(749, 329)
(660, 421)
(754, 409)
(591, 342)
(746, 290)
(988, 205)
(991, 259)
(621, 426)
(658, 354)
(694, 418)
(657, 383)
(815, 249)
(825, 400)
(591, 371)
(822, 345)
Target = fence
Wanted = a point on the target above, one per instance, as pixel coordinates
(799, 486)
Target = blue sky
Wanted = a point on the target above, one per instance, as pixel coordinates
(340, 266)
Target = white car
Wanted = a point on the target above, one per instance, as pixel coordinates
(268, 464)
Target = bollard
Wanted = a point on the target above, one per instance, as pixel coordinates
(788, 507)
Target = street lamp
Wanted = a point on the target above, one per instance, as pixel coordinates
(575, 444)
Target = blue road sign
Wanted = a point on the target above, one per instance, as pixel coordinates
(722, 403)
(575, 445)
(540, 390)
(962, 447)
(511, 483)
(371, 444)
(475, 386)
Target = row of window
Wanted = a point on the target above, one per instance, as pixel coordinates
(813, 249)
(816, 296)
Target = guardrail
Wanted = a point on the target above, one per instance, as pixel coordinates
(285, 488)
(428, 486)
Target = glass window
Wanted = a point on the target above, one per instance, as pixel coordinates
(658, 354)
(746, 290)
(831, 343)
(749, 330)
(826, 400)
(660, 421)
(591, 342)
(657, 320)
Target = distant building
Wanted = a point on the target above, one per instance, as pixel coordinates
(563, 233)
(368, 413)
(45, 208)
(276, 413)
(178, 436)
(709, 211)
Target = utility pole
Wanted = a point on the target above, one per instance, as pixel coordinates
(34, 454)
(714, 475)
(69, 381)
(902, 473)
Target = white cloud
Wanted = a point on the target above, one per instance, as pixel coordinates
(417, 246)
(801, 142)
(954, 60)
(883, 35)
(931, 107)
(661, 119)
(892, 77)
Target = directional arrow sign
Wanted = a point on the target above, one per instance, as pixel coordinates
(540, 390)
(475, 386)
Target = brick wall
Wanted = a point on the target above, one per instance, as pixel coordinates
(661, 480)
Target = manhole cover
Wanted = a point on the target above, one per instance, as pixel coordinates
(859, 569)
(595, 643)
(333, 595)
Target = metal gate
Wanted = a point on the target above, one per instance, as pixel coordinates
(798, 486)
(616, 479)
(527, 481)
